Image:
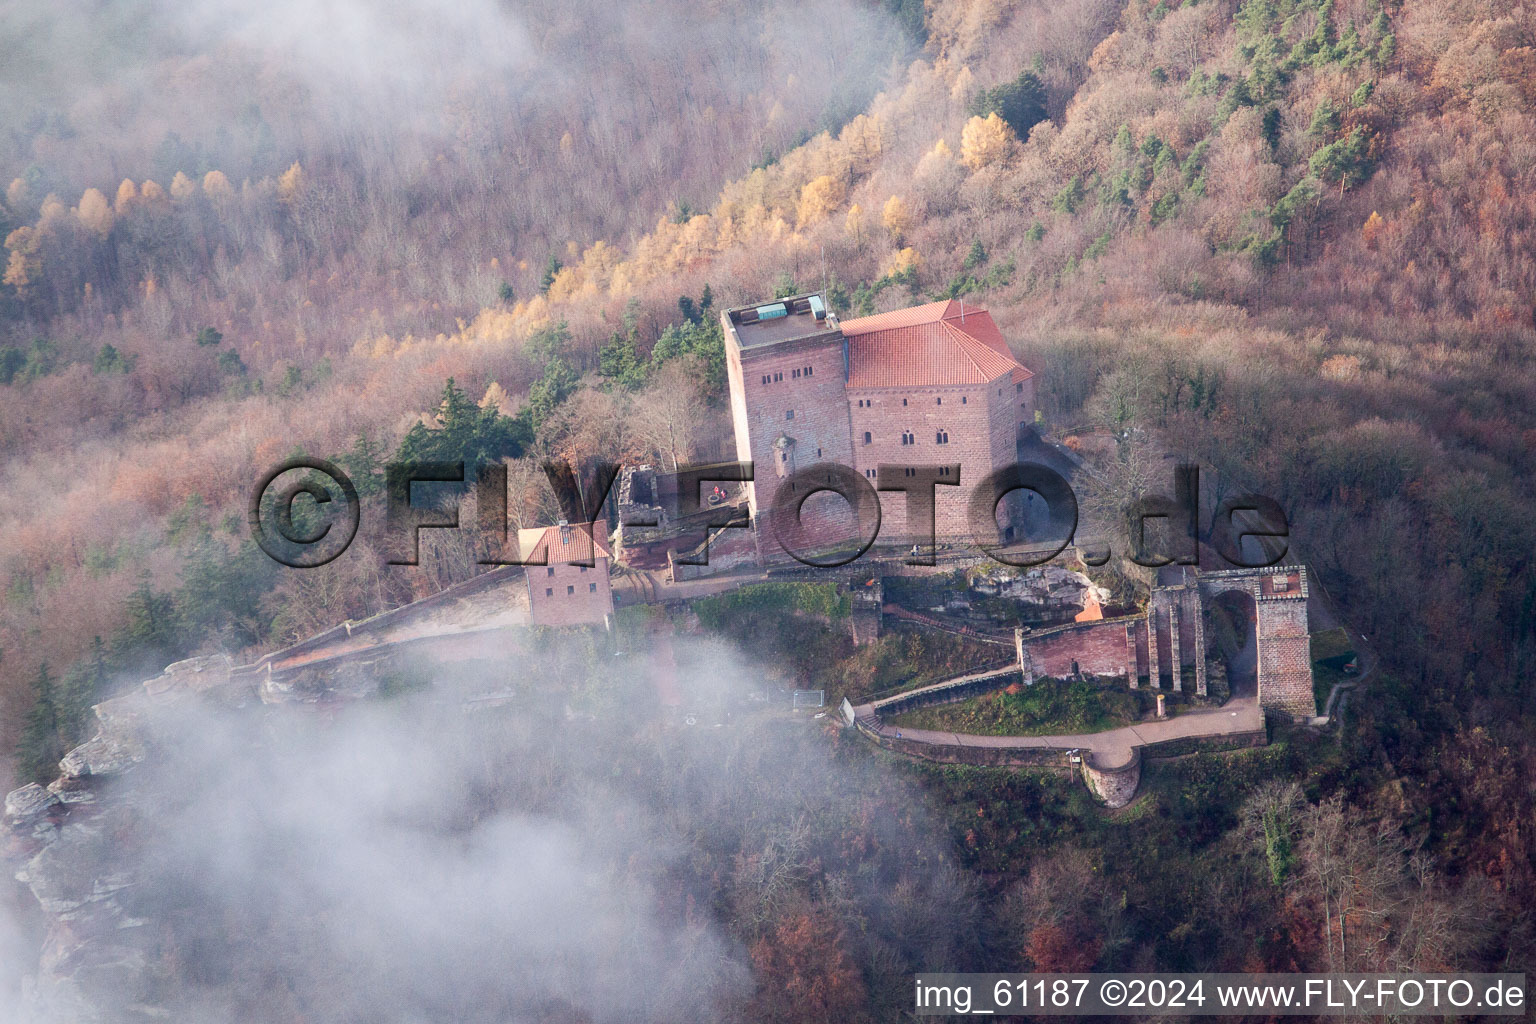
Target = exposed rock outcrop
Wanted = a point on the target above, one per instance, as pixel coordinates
(69, 840)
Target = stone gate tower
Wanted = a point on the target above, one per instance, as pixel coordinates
(1280, 625)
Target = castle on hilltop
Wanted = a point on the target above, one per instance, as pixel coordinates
(932, 385)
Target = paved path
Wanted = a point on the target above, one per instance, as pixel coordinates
(1113, 747)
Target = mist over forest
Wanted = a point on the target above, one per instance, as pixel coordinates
(1287, 239)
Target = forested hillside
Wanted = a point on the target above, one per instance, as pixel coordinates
(1293, 236)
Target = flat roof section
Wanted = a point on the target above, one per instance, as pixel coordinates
(789, 319)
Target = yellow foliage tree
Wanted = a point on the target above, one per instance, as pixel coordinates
(863, 140)
(497, 396)
(964, 85)
(217, 186)
(16, 192)
(897, 216)
(127, 192)
(938, 160)
(152, 192)
(854, 222)
(902, 261)
(985, 141)
(24, 263)
(567, 281)
(290, 184)
(819, 198)
(182, 187)
(94, 212)
(1371, 229)
(52, 210)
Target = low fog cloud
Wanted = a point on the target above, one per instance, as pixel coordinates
(18, 953)
(91, 92)
(410, 862)
(574, 856)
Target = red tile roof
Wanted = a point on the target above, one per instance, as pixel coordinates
(553, 545)
(939, 344)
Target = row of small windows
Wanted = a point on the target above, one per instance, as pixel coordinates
(907, 437)
(909, 471)
(550, 571)
(866, 403)
(774, 378)
(550, 591)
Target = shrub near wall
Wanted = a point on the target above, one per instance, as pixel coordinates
(822, 600)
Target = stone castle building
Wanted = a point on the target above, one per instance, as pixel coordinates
(567, 570)
(932, 385)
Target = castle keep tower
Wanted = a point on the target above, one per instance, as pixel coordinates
(787, 363)
(933, 385)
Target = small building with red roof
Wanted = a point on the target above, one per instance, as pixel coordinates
(932, 385)
(567, 569)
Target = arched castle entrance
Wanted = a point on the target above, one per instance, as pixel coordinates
(1283, 668)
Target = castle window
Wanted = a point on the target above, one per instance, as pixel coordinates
(570, 590)
(779, 376)
(962, 399)
(938, 401)
(808, 371)
(549, 591)
(591, 588)
(909, 471)
(1019, 387)
(789, 414)
(942, 437)
(794, 374)
(907, 437)
(583, 568)
(943, 471)
(903, 401)
(867, 437)
(818, 453)
(550, 571)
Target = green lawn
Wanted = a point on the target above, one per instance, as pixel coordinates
(1049, 706)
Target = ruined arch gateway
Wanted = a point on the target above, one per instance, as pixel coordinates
(1164, 647)
(1283, 641)
(1171, 636)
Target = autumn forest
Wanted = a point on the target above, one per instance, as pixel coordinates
(1292, 239)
